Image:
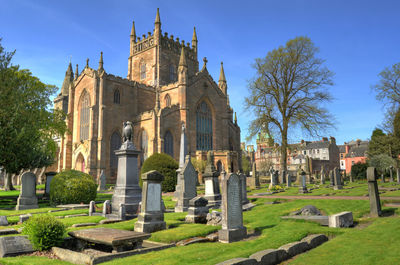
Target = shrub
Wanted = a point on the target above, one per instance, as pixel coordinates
(44, 231)
(359, 170)
(72, 186)
(164, 164)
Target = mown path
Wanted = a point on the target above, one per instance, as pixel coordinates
(319, 197)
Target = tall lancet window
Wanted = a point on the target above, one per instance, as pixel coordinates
(116, 97)
(169, 144)
(204, 131)
(142, 70)
(172, 73)
(84, 117)
(115, 144)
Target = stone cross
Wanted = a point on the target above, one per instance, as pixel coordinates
(186, 189)
(27, 198)
(374, 200)
(210, 176)
(127, 190)
(151, 217)
(102, 181)
(338, 182)
(232, 215)
(303, 187)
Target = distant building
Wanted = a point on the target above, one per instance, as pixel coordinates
(354, 152)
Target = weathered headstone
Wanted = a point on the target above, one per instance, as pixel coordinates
(198, 210)
(121, 212)
(232, 215)
(187, 186)
(303, 187)
(244, 188)
(102, 181)
(14, 245)
(151, 217)
(106, 208)
(391, 173)
(210, 176)
(331, 178)
(322, 174)
(3, 220)
(127, 190)
(24, 217)
(49, 178)
(343, 219)
(374, 200)
(92, 208)
(338, 182)
(289, 180)
(27, 198)
(255, 179)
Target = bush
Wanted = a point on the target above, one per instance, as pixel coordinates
(44, 231)
(359, 170)
(72, 186)
(164, 164)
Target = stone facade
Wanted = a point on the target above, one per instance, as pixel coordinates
(163, 89)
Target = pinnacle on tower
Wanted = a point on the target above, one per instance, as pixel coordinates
(87, 63)
(222, 74)
(194, 38)
(101, 61)
(76, 72)
(133, 32)
(69, 77)
(157, 21)
(182, 60)
(235, 118)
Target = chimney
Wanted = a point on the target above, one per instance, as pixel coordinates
(332, 140)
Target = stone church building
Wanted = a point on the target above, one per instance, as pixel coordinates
(163, 89)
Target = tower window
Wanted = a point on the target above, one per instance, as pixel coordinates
(116, 97)
(172, 73)
(142, 71)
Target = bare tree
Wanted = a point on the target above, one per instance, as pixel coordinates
(288, 91)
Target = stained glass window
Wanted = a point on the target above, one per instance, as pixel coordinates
(204, 131)
(84, 117)
(169, 144)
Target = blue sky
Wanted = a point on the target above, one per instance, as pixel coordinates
(358, 39)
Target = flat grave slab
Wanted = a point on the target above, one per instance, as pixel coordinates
(73, 206)
(116, 238)
(14, 246)
(321, 219)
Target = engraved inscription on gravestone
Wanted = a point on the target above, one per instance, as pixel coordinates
(209, 187)
(234, 203)
(153, 197)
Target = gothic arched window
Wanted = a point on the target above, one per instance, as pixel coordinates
(115, 144)
(84, 117)
(167, 100)
(169, 144)
(172, 73)
(116, 97)
(204, 136)
(144, 145)
(142, 70)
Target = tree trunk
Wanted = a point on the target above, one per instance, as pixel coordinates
(8, 182)
(284, 155)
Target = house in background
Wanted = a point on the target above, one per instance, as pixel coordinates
(354, 152)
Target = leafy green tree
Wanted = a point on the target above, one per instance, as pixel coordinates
(359, 170)
(381, 162)
(382, 143)
(27, 125)
(246, 164)
(288, 92)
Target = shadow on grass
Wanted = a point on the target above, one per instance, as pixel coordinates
(261, 228)
(388, 212)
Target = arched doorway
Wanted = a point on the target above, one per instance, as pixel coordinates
(80, 163)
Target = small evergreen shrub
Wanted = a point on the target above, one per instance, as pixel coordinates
(359, 170)
(164, 164)
(44, 231)
(72, 186)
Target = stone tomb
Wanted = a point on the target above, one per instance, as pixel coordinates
(374, 200)
(198, 210)
(49, 178)
(232, 215)
(27, 198)
(151, 217)
(186, 189)
(14, 246)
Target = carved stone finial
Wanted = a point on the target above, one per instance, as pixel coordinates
(87, 63)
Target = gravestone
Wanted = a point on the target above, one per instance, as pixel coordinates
(27, 198)
(127, 190)
(303, 186)
(374, 200)
(232, 215)
(3, 220)
(391, 173)
(244, 188)
(210, 176)
(322, 174)
(182, 156)
(289, 180)
(92, 208)
(106, 208)
(255, 179)
(102, 181)
(151, 217)
(198, 210)
(121, 212)
(187, 188)
(24, 217)
(338, 182)
(14, 245)
(398, 174)
(351, 177)
(331, 178)
(49, 178)
(282, 177)
(383, 177)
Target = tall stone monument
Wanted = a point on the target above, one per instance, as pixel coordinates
(102, 181)
(244, 188)
(186, 190)
(232, 215)
(374, 200)
(303, 186)
(338, 181)
(255, 179)
(331, 178)
(151, 217)
(27, 198)
(127, 190)
(322, 174)
(210, 176)
(288, 180)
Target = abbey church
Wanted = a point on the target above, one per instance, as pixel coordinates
(164, 89)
